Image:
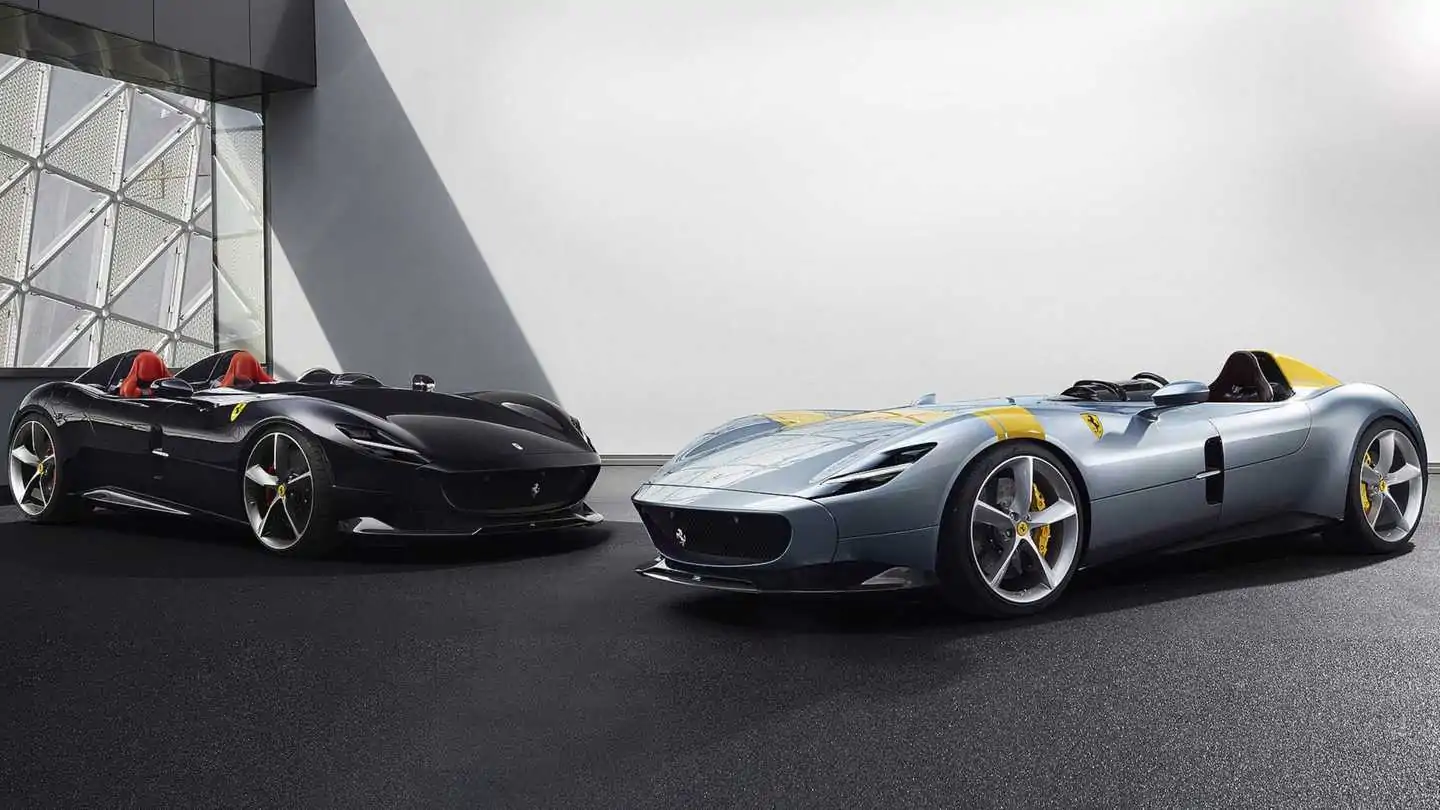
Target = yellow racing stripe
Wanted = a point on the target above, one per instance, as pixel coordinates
(1012, 422)
(919, 416)
(791, 419)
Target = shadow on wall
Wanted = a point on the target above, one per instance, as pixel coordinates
(395, 281)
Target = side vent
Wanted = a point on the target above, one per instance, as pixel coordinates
(1214, 474)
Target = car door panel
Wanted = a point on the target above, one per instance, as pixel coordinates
(1257, 432)
(1264, 472)
(123, 437)
(201, 462)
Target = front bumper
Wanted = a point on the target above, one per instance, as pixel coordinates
(811, 558)
(575, 517)
(841, 577)
(540, 493)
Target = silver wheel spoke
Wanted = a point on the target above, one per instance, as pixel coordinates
(1400, 519)
(297, 479)
(1369, 474)
(1054, 513)
(275, 464)
(33, 487)
(1373, 513)
(991, 516)
(1024, 471)
(1407, 473)
(259, 476)
(1042, 563)
(294, 530)
(265, 521)
(1004, 564)
(1387, 453)
(23, 454)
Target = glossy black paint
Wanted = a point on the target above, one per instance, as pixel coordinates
(185, 447)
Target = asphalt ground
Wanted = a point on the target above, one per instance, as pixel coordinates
(150, 663)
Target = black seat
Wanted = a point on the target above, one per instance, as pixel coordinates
(1241, 380)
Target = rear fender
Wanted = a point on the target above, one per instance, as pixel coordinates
(1341, 417)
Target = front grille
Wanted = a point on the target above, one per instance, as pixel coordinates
(716, 538)
(519, 491)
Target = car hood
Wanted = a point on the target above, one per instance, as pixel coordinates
(785, 452)
(460, 429)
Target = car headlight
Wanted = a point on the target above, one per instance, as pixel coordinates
(877, 474)
(380, 444)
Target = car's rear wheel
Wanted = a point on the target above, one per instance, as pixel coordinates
(37, 482)
(1012, 534)
(1386, 495)
(287, 487)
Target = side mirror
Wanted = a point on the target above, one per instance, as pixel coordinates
(172, 388)
(422, 382)
(928, 399)
(1185, 392)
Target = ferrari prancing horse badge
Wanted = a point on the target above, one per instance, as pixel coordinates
(1096, 426)
(235, 412)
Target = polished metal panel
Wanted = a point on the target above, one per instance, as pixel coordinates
(219, 29)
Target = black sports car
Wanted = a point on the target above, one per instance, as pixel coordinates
(304, 462)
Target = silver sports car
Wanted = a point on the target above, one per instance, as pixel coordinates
(999, 502)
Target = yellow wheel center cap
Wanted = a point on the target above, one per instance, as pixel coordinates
(280, 491)
(1384, 485)
(1022, 528)
(40, 469)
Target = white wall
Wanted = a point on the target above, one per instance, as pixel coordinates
(702, 209)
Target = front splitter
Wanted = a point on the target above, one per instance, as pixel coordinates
(373, 527)
(897, 578)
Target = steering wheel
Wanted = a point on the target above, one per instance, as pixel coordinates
(1108, 386)
(1152, 377)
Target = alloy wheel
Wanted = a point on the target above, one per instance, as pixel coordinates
(1024, 529)
(32, 467)
(279, 491)
(1392, 485)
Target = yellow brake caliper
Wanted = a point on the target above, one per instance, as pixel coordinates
(1364, 491)
(1041, 536)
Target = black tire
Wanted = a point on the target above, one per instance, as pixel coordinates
(1355, 533)
(319, 534)
(61, 505)
(962, 584)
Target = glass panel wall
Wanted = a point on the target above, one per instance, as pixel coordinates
(118, 230)
(240, 294)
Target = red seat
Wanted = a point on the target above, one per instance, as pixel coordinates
(244, 370)
(146, 368)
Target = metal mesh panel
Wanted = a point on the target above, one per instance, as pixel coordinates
(20, 120)
(166, 184)
(45, 324)
(10, 166)
(90, 152)
(242, 155)
(187, 353)
(14, 211)
(8, 311)
(138, 235)
(120, 336)
(201, 325)
(240, 258)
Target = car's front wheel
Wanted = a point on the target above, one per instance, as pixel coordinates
(287, 490)
(1386, 495)
(1013, 531)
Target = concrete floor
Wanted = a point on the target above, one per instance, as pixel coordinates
(152, 663)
